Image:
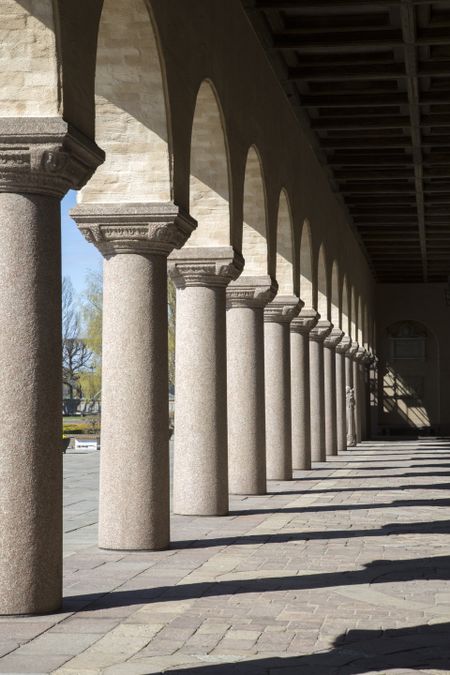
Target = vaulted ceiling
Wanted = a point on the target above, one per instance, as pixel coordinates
(370, 82)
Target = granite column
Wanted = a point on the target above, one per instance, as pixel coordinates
(278, 315)
(40, 160)
(317, 384)
(330, 344)
(341, 405)
(135, 240)
(246, 299)
(300, 388)
(201, 275)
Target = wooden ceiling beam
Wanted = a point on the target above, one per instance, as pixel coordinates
(363, 99)
(328, 40)
(400, 122)
(340, 73)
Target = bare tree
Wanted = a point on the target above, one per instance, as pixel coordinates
(76, 356)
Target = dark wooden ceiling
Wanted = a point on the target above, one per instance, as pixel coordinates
(370, 82)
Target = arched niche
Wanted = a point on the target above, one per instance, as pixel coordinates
(345, 320)
(254, 228)
(285, 249)
(322, 284)
(131, 112)
(306, 265)
(410, 377)
(209, 173)
(335, 311)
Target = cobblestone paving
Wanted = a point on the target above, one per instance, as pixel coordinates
(345, 570)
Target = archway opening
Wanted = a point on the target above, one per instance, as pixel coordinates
(335, 313)
(285, 258)
(306, 266)
(322, 285)
(209, 176)
(131, 110)
(254, 237)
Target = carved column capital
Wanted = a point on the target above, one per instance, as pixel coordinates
(45, 156)
(282, 309)
(321, 331)
(251, 291)
(149, 229)
(305, 321)
(205, 266)
(344, 344)
(334, 338)
(360, 355)
(351, 351)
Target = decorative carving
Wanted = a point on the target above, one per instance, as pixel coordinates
(351, 351)
(198, 266)
(152, 229)
(54, 160)
(44, 156)
(251, 292)
(282, 309)
(321, 331)
(333, 339)
(344, 345)
(305, 322)
(360, 355)
(351, 425)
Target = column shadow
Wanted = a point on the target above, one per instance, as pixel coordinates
(375, 572)
(397, 503)
(433, 527)
(354, 653)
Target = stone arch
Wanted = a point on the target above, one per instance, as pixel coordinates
(131, 112)
(285, 248)
(335, 308)
(345, 314)
(360, 332)
(306, 265)
(367, 339)
(322, 284)
(209, 172)
(354, 315)
(254, 228)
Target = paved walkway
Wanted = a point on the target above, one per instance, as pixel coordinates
(345, 570)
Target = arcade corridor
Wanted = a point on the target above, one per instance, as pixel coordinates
(366, 535)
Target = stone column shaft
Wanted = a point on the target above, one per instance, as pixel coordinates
(316, 349)
(300, 384)
(39, 161)
(350, 393)
(277, 316)
(341, 405)
(359, 394)
(330, 344)
(200, 485)
(135, 240)
(246, 299)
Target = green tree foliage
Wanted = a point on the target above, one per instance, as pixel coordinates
(76, 354)
(91, 312)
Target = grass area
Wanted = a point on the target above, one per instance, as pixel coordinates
(72, 426)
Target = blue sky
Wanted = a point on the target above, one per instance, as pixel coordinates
(77, 255)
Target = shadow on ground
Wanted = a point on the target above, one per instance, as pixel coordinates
(376, 572)
(354, 653)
